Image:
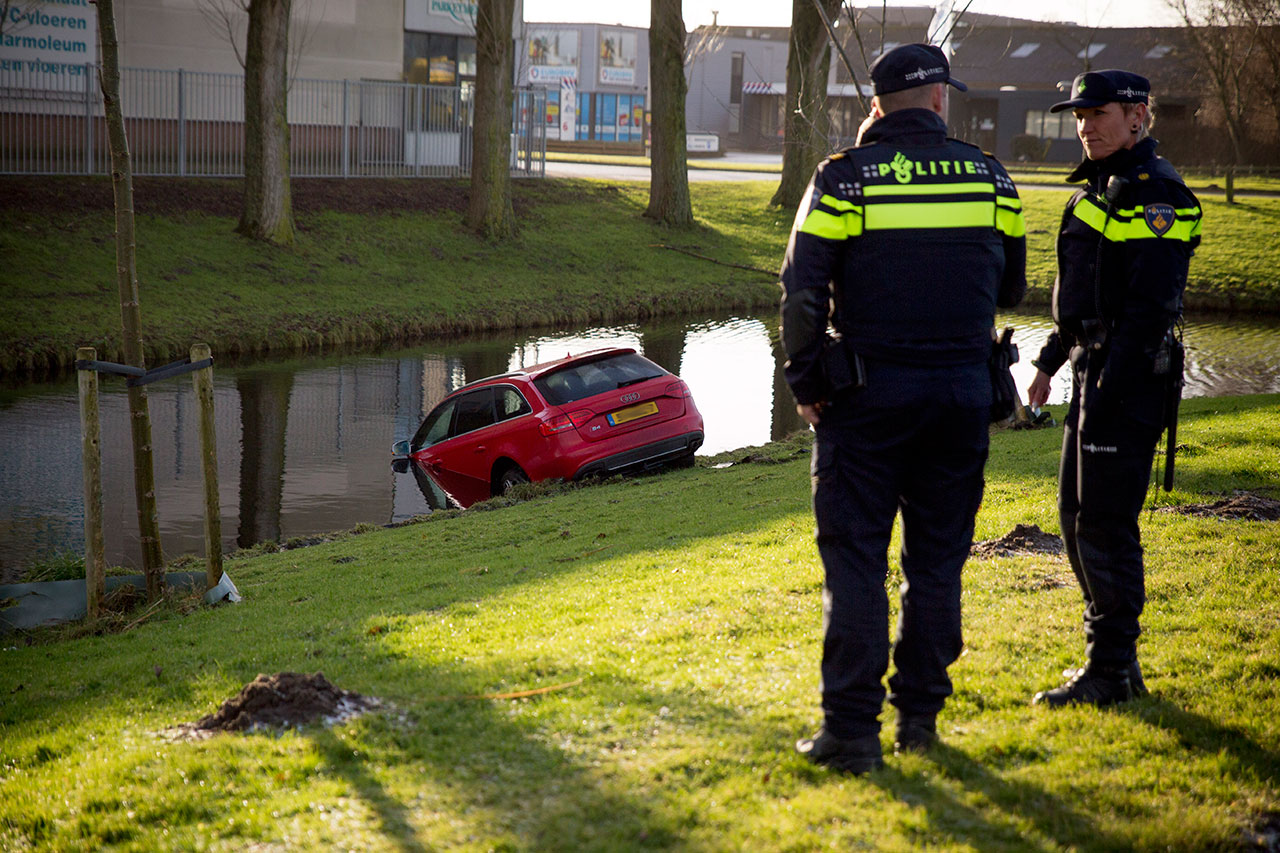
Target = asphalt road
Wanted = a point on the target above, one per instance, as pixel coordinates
(612, 172)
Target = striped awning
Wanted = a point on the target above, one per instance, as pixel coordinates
(835, 90)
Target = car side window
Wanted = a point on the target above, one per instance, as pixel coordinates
(435, 428)
(475, 410)
(510, 403)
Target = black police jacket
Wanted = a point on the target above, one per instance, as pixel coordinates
(1124, 247)
(905, 244)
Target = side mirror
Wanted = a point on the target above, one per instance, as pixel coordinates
(400, 448)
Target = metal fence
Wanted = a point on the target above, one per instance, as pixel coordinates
(191, 123)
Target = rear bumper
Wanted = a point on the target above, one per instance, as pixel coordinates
(643, 458)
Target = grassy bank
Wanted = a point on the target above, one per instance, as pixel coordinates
(679, 618)
(374, 262)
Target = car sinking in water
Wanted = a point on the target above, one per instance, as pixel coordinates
(604, 412)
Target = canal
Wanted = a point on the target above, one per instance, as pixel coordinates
(304, 444)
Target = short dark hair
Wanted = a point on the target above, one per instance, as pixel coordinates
(918, 96)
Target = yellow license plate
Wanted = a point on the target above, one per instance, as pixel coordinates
(641, 411)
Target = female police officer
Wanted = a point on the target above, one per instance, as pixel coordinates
(1123, 250)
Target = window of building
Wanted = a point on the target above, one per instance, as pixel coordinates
(1160, 51)
(438, 59)
(1047, 125)
(735, 78)
(1091, 51)
(1024, 50)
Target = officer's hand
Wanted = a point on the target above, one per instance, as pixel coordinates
(1038, 390)
(810, 412)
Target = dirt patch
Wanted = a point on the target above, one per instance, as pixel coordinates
(278, 701)
(1240, 505)
(1023, 539)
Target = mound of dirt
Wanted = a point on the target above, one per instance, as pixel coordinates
(1241, 505)
(277, 701)
(1023, 539)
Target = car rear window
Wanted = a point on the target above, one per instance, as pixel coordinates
(576, 381)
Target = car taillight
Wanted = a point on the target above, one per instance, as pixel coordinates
(678, 389)
(560, 423)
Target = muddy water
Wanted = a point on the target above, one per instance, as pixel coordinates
(303, 445)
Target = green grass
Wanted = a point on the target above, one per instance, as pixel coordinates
(584, 255)
(689, 606)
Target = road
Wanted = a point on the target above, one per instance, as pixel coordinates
(609, 171)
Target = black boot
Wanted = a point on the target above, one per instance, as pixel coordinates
(1091, 685)
(855, 755)
(1136, 685)
(916, 732)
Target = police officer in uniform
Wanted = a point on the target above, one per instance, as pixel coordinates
(1123, 249)
(900, 253)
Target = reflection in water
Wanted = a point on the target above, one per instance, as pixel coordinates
(303, 445)
(264, 418)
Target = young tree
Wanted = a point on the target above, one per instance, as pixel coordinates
(806, 123)
(268, 206)
(144, 481)
(490, 212)
(669, 201)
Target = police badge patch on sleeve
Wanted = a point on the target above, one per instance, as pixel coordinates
(1160, 218)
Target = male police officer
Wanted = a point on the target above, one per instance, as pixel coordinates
(905, 244)
(1123, 251)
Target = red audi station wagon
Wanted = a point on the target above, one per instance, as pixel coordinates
(602, 412)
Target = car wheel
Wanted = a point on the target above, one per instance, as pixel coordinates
(513, 476)
(685, 461)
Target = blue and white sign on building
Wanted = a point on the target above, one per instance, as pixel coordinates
(551, 75)
(53, 39)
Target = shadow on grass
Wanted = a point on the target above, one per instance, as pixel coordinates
(491, 778)
(392, 815)
(1055, 820)
(1198, 732)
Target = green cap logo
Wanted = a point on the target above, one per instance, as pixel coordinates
(1080, 88)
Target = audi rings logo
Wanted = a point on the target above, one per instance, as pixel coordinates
(630, 398)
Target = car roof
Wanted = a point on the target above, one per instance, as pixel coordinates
(533, 371)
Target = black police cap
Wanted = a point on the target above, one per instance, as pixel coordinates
(910, 65)
(1095, 88)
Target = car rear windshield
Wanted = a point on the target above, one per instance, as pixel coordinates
(576, 381)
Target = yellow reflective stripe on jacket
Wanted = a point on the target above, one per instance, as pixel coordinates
(934, 214)
(1120, 228)
(926, 189)
(1009, 218)
(831, 226)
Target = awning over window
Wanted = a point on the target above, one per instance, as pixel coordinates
(836, 90)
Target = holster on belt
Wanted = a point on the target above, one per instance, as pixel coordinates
(842, 367)
(1005, 401)
(1094, 334)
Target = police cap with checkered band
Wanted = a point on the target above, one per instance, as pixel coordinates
(910, 65)
(1095, 88)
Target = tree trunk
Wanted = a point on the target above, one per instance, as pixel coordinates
(490, 213)
(806, 124)
(669, 201)
(144, 481)
(268, 205)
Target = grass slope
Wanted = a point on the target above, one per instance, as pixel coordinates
(689, 606)
(584, 254)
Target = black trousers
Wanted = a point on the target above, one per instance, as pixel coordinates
(1108, 445)
(869, 464)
